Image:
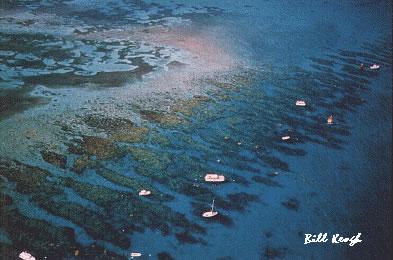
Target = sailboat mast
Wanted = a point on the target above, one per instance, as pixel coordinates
(213, 206)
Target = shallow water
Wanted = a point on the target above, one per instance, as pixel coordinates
(100, 100)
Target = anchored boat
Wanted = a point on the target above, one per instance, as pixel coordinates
(330, 120)
(144, 192)
(26, 256)
(211, 212)
(301, 103)
(212, 177)
(135, 254)
(375, 67)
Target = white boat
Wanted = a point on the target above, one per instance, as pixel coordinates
(135, 254)
(211, 212)
(301, 103)
(375, 67)
(212, 177)
(330, 120)
(26, 256)
(287, 137)
(144, 192)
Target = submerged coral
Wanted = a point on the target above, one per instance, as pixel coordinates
(292, 204)
(162, 118)
(54, 158)
(100, 147)
(154, 106)
(272, 252)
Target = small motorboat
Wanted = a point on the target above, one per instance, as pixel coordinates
(211, 212)
(213, 177)
(375, 67)
(287, 137)
(26, 256)
(135, 254)
(330, 120)
(301, 103)
(144, 192)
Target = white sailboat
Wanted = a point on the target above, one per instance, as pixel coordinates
(300, 103)
(210, 213)
(135, 254)
(144, 193)
(212, 177)
(26, 256)
(330, 120)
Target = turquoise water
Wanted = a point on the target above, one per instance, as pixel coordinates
(329, 178)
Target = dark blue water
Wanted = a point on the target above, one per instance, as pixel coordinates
(340, 175)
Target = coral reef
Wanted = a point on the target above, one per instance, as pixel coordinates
(54, 158)
(292, 204)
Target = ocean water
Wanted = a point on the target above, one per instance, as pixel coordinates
(126, 95)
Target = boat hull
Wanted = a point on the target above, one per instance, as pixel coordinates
(209, 214)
